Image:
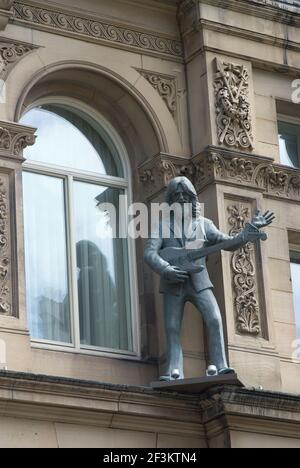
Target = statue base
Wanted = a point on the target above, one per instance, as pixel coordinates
(197, 385)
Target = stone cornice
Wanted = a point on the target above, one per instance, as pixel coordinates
(14, 138)
(115, 406)
(217, 165)
(255, 172)
(279, 11)
(61, 21)
(123, 407)
(250, 410)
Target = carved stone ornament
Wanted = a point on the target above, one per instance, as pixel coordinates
(232, 105)
(215, 165)
(10, 53)
(5, 249)
(14, 139)
(255, 172)
(165, 86)
(156, 174)
(244, 275)
(52, 18)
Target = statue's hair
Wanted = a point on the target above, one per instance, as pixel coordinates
(189, 188)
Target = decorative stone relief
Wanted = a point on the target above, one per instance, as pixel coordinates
(156, 174)
(257, 173)
(14, 139)
(215, 165)
(95, 29)
(165, 86)
(244, 275)
(232, 105)
(10, 53)
(5, 249)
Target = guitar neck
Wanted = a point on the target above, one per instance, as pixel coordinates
(204, 252)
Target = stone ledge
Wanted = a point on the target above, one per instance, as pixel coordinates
(282, 11)
(77, 401)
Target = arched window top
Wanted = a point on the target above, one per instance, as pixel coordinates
(69, 138)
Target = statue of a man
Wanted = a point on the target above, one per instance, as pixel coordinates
(180, 286)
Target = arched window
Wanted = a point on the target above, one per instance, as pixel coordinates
(79, 293)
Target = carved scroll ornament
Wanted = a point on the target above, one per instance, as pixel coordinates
(244, 276)
(233, 106)
(165, 86)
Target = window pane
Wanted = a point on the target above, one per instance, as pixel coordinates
(102, 271)
(46, 258)
(295, 267)
(289, 138)
(66, 139)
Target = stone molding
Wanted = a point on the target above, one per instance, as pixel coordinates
(166, 86)
(139, 408)
(268, 9)
(10, 54)
(99, 404)
(233, 115)
(222, 166)
(95, 29)
(14, 138)
(252, 171)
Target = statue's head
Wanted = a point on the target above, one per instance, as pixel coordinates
(181, 190)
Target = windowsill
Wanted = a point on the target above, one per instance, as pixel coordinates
(85, 351)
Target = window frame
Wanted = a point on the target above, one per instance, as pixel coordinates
(294, 254)
(112, 139)
(289, 120)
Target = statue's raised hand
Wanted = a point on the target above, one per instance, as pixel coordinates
(262, 220)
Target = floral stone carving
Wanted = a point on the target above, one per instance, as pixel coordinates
(244, 275)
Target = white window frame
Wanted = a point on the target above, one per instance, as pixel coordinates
(290, 120)
(69, 175)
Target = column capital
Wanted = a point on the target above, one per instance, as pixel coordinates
(14, 138)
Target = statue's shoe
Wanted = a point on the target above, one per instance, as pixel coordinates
(176, 374)
(226, 370)
(165, 378)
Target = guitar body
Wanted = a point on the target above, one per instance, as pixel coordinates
(180, 257)
(194, 261)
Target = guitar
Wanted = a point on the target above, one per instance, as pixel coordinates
(194, 260)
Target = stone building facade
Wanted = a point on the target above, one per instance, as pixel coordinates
(195, 88)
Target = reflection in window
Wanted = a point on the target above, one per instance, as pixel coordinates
(289, 144)
(68, 140)
(77, 277)
(46, 258)
(103, 273)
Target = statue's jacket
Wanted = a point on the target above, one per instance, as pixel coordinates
(203, 233)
